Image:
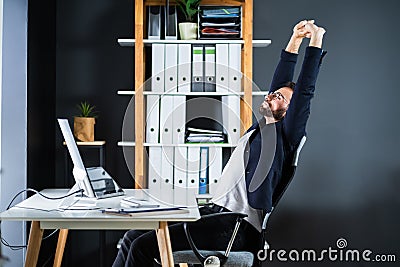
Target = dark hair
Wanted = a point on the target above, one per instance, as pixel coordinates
(279, 113)
(291, 85)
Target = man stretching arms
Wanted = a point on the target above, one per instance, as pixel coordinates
(255, 168)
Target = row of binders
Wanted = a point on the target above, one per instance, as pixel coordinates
(196, 68)
(192, 68)
(195, 170)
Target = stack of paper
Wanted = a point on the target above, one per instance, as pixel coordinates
(194, 135)
(220, 23)
(133, 202)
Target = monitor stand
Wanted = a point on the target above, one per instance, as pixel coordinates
(77, 201)
(102, 185)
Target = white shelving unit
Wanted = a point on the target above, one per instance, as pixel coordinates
(132, 144)
(131, 92)
(127, 42)
(138, 43)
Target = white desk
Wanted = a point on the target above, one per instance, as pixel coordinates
(51, 218)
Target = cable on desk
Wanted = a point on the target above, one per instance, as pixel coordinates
(19, 247)
(42, 195)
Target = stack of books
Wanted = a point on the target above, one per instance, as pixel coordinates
(195, 135)
(219, 23)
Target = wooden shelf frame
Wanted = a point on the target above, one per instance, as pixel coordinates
(247, 69)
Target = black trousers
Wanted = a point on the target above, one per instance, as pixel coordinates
(140, 248)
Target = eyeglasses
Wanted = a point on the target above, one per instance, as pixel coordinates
(279, 96)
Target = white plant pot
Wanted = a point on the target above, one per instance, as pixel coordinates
(188, 30)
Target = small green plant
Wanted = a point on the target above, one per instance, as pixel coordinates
(189, 8)
(87, 110)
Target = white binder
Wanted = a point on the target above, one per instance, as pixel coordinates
(180, 175)
(193, 164)
(166, 118)
(197, 68)
(157, 67)
(152, 119)
(167, 174)
(171, 67)
(184, 67)
(154, 177)
(235, 73)
(215, 166)
(231, 117)
(180, 167)
(178, 120)
(222, 67)
(209, 68)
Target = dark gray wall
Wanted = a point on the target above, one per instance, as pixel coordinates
(348, 178)
(91, 66)
(348, 175)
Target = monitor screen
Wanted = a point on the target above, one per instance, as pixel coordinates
(80, 175)
(95, 181)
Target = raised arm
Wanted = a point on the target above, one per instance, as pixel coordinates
(299, 109)
(299, 32)
(285, 70)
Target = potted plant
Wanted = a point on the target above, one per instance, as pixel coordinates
(189, 8)
(84, 123)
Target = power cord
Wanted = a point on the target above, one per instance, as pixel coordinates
(19, 247)
(42, 195)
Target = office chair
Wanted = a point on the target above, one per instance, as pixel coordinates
(237, 258)
(226, 258)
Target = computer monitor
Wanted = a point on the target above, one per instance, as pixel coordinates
(95, 182)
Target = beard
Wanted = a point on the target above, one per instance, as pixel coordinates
(266, 112)
(276, 114)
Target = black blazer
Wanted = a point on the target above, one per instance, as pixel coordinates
(269, 154)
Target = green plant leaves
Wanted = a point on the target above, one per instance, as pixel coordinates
(189, 8)
(87, 110)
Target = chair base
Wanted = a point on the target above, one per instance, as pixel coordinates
(235, 259)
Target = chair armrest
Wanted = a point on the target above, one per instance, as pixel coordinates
(224, 214)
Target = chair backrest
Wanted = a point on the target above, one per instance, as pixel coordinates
(287, 177)
(287, 174)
